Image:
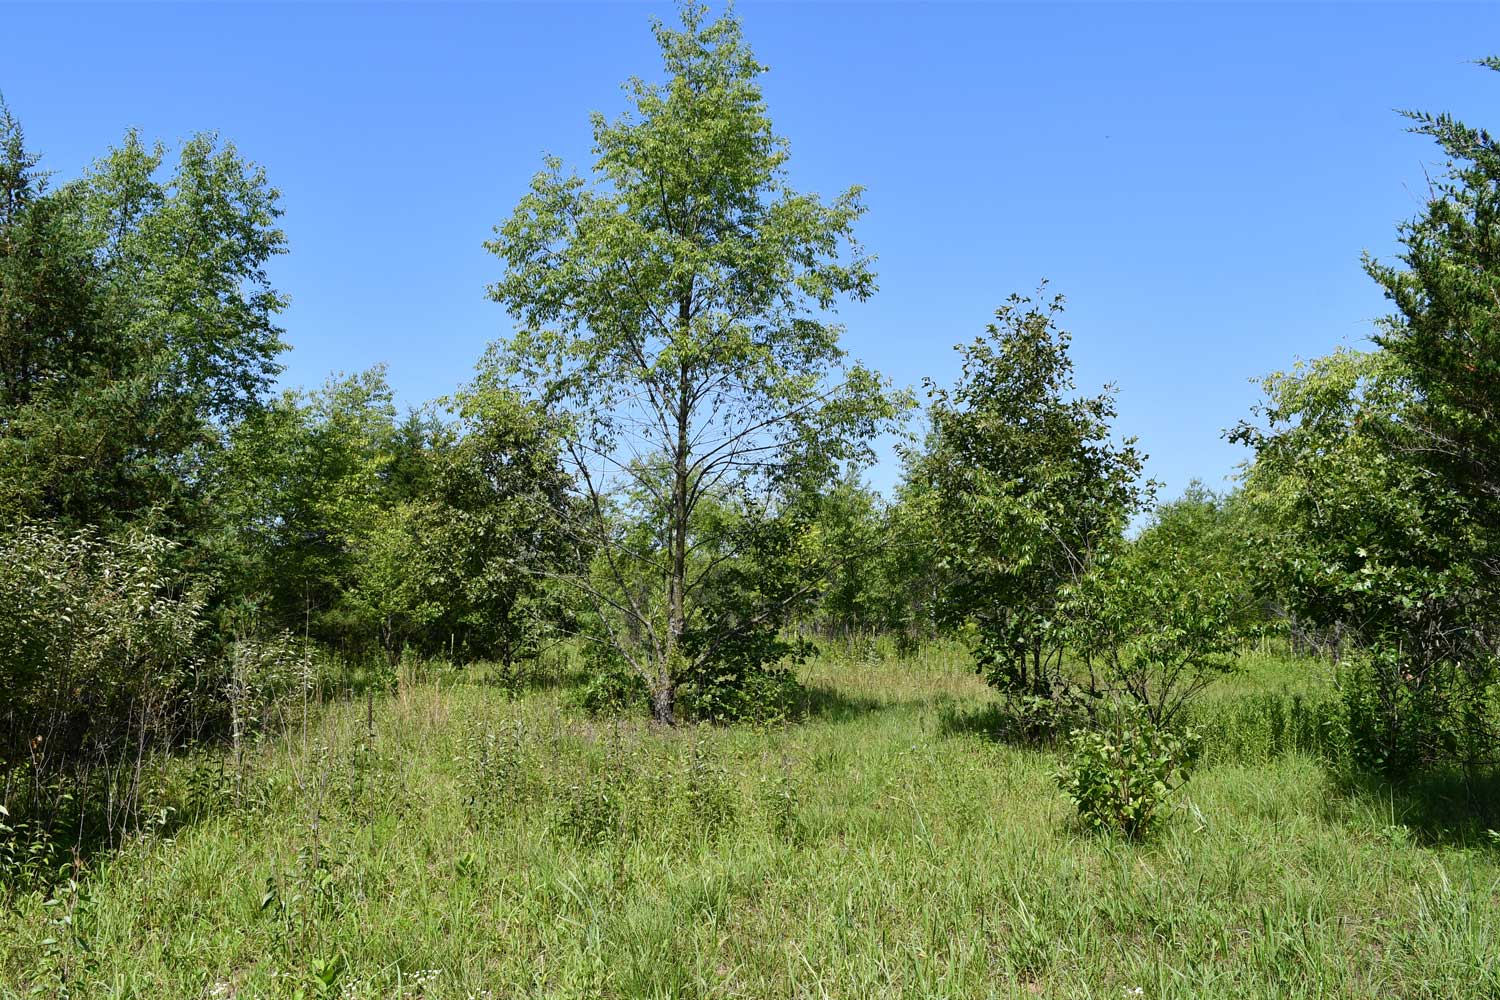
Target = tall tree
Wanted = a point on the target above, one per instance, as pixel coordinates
(1446, 329)
(51, 334)
(673, 307)
(45, 278)
(466, 564)
(1358, 541)
(138, 323)
(1377, 480)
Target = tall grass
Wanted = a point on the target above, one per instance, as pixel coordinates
(450, 840)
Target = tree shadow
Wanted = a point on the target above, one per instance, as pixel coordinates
(999, 723)
(1438, 807)
(986, 721)
(62, 829)
(520, 678)
(821, 701)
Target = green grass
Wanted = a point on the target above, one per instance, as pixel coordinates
(483, 846)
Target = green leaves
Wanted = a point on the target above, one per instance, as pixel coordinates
(1160, 617)
(379, 533)
(1445, 333)
(1028, 485)
(100, 657)
(1363, 543)
(1122, 776)
(138, 321)
(673, 316)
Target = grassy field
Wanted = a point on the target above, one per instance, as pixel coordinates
(481, 845)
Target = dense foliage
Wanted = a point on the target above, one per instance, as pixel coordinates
(1374, 488)
(137, 324)
(102, 645)
(1028, 489)
(1121, 776)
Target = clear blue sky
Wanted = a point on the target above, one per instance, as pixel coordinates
(1198, 180)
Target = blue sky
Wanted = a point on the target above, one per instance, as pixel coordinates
(1199, 180)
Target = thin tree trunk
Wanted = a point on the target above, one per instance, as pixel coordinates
(664, 693)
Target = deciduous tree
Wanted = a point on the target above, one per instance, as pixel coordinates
(1028, 485)
(673, 309)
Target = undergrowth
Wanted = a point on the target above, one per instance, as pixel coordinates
(449, 840)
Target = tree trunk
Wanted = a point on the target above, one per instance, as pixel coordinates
(664, 698)
(664, 692)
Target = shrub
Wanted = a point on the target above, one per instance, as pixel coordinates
(612, 689)
(590, 809)
(589, 812)
(1123, 775)
(1032, 720)
(748, 677)
(100, 664)
(760, 695)
(781, 802)
(1400, 714)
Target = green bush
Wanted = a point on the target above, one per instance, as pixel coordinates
(1122, 776)
(612, 689)
(749, 677)
(1399, 715)
(759, 695)
(589, 811)
(101, 666)
(268, 681)
(1033, 720)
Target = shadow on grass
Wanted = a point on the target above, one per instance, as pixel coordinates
(1445, 807)
(985, 721)
(998, 723)
(519, 678)
(63, 829)
(820, 701)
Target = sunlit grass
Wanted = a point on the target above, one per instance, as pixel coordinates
(481, 845)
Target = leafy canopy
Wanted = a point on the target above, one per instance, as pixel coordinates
(673, 311)
(1028, 485)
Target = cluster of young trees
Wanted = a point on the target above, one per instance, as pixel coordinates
(1375, 489)
(166, 522)
(376, 534)
(136, 328)
(663, 461)
(1013, 521)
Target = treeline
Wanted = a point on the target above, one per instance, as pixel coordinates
(181, 550)
(661, 467)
